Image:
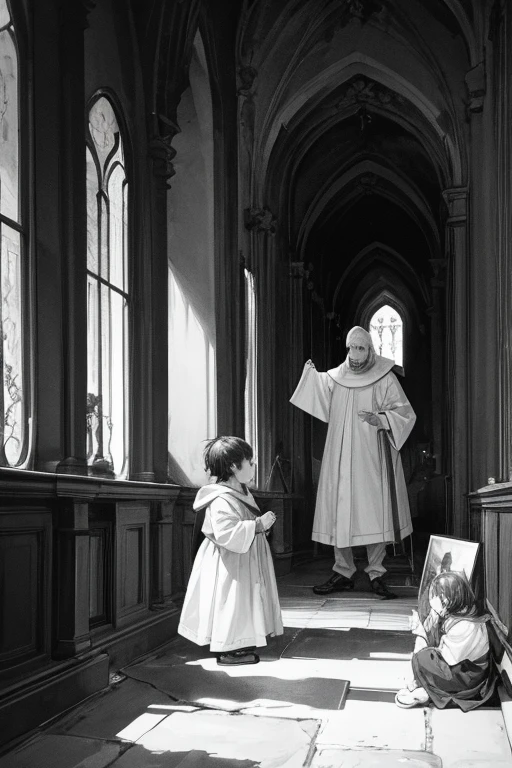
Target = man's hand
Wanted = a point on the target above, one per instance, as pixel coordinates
(371, 418)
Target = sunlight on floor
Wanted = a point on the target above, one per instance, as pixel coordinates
(271, 743)
(381, 673)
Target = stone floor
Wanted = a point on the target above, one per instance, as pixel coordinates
(178, 708)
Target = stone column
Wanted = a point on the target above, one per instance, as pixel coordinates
(300, 451)
(484, 311)
(457, 352)
(162, 155)
(262, 225)
(73, 217)
(438, 284)
(72, 580)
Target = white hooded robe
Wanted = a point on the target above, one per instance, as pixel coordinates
(358, 496)
(231, 600)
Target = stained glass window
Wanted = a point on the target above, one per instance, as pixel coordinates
(13, 438)
(107, 294)
(386, 330)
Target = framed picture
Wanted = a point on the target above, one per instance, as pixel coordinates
(446, 553)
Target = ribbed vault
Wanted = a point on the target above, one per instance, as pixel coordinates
(355, 117)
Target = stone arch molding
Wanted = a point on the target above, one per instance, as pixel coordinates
(369, 306)
(397, 258)
(409, 197)
(332, 77)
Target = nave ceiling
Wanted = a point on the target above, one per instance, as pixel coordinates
(354, 115)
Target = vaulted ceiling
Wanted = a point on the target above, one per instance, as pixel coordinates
(359, 125)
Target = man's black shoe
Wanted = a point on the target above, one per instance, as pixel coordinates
(337, 583)
(381, 589)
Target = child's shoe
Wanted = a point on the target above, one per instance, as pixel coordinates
(406, 698)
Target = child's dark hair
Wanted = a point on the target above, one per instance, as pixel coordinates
(222, 452)
(456, 594)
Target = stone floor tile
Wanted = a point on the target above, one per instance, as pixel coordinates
(384, 621)
(374, 725)
(139, 757)
(205, 683)
(348, 643)
(470, 739)
(107, 715)
(378, 758)
(270, 743)
(53, 751)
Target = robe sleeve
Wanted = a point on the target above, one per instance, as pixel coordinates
(394, 409)
(229, 531)
(465, 640)
(313, 393)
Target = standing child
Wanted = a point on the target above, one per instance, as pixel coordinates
(451, 660)
(231, 600)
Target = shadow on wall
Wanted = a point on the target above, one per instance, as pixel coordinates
(175, 473)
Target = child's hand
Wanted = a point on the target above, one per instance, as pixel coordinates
(310, 363)
(268, 520)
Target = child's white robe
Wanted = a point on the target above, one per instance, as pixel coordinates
(231, 600)
(355, 498)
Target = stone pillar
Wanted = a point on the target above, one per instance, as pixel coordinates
(438, 285)
(73, 217)
(72, 580)
(162, 155)
(262, 225)
(300, 452)
(484, 311)
(457, 352)
(142, 365)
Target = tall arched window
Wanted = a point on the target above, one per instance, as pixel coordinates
(107, 293)
(386, 330)
(13, 266)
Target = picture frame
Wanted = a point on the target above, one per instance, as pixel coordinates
(446, 553)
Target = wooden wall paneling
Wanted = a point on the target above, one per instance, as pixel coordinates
(476, 519)
(184, 517)
(131, 561)
(490, 543)
(162, 528)
(177, 565)
(505, 569)
(187, 530)
(72, 609)
(25, 589)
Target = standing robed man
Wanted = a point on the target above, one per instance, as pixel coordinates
(362, 496)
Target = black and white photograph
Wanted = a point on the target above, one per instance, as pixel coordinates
(256, 390)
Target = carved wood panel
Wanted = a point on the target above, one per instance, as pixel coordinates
(25, 588)
(131, 561)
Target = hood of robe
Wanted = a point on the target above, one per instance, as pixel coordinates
(347, 378)
(375, 366)
(208, 493)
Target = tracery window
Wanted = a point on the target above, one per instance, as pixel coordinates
(386, 330)
(108, 297)
(13, 260)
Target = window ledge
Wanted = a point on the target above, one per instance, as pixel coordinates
(23, 483)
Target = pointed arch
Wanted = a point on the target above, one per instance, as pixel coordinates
(333, 76)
